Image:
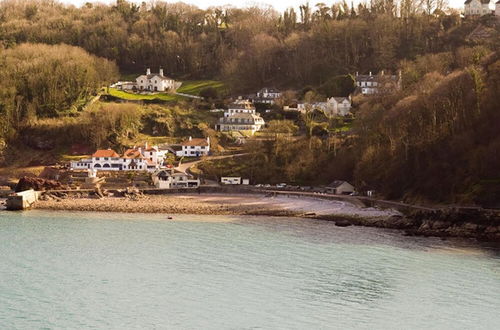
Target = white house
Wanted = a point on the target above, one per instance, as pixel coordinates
(194, 147)
(477, 7)
(155, 82)
(267, 95)
(339, 106)
(135, 159)
(240, 106)
(334, 106)
(241, 122)
(170, 179)
(339, 187)
(497, 9)
(374, 84)
(240, 116)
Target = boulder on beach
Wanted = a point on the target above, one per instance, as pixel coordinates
(26, 183)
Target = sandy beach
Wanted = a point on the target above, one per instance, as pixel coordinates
(223, 204)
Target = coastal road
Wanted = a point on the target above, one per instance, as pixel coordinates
(356, 200)
(185, 167)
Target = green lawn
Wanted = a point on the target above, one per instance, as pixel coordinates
(132, 96)
(194, 87)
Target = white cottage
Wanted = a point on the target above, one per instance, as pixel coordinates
(170, 179)
(194, 147)
(477, 7)
(267, 95)
(339, 187)
(240, 116)
(339, 106)
(155, 82)
(374, 84)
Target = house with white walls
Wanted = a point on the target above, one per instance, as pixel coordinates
(339, 106)
(240, 116)
(334, 106)
(149, 82)
(155, 82)
(194, 147)
(380, 83)
(340, 187)
(171, 179)
(267, 95)
(477, 8)
(141, 158)
(240, 106)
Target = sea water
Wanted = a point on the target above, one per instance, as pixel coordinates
(61, 270)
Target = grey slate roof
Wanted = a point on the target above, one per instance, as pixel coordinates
(484, 2)
(336, 183)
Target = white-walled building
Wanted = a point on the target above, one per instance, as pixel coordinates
(171, 179)
(135, 159)
(194, 147)
(267, 95)
(334, 106)
(374, 84)
(497, 9)
(240, 106)
(339, 187)
(477, 7)
(240, 116)
(155, 82)
(340, 106)
(241, 122)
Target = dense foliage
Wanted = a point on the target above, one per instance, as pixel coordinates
(250, 47)
(41, 81)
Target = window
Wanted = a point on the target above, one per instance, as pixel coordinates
(106, 158)
(97, 158)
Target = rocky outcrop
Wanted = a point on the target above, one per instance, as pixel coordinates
(38, 184)
(452, 222)
(457, 222)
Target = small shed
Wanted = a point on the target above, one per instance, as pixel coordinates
(340, 187)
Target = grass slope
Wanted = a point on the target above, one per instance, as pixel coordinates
(132, 96)
(194, 87)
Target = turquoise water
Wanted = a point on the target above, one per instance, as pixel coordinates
(120, 271)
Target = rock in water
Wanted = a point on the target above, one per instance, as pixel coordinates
(343, 223)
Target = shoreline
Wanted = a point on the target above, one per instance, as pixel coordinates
(343, 213)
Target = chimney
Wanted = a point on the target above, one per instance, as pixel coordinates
(161, 72)
(382, 72)
(190, 138)
(357, 73)
(148, 71)
(146, 145)
(370, 73)
(208, 140)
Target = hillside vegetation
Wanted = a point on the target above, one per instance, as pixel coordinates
(249, 47)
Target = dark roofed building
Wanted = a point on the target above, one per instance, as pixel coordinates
(340, 187)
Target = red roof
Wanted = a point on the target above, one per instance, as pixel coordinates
(195, 142)
(105, 153)
(132, 154)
